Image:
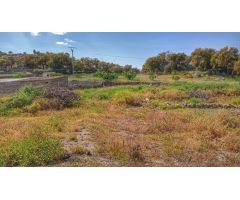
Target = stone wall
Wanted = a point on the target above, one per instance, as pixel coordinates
(13, 86)
(74, 84)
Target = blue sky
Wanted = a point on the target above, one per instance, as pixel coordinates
(122, 48)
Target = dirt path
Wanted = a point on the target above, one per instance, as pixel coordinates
(81, 152)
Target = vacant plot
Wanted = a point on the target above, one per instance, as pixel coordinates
(124, 126)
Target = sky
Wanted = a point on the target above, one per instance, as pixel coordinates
(117, 47)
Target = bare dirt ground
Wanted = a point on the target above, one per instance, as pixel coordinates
(88, 158)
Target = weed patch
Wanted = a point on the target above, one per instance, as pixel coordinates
(31, 150)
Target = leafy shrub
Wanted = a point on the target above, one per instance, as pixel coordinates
(106, 76)
(31, 150)
(130, 75)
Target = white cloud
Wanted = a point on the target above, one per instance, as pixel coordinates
(35, 33)
(62, 43)
(69, 40)
(59, 33)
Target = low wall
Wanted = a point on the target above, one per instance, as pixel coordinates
(13, 86)
(74, 84)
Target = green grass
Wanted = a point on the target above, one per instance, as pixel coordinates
(194, 101)
(108, 93)
(121, 78)
(31, 150)
(187, 86)
(23, 97)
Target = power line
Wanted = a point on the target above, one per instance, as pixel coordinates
(120, 56)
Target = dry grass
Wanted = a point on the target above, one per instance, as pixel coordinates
(128, 126)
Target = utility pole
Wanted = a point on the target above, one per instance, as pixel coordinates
(72, 49)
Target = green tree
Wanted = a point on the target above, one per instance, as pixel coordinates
(130, 75)
(223, 60)
(236, 67)
(106, 76)
(200, 59)
(155, 64)
(176, 62)
(60, 62)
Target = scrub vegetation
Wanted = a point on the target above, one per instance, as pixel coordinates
(142, 125)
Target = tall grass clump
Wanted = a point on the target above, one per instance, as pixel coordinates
(23, 97)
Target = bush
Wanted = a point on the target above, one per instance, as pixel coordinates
(130, 75)
(31, 150)
(106, 76)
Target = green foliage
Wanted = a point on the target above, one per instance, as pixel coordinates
(155, 64)
(130, 75)
(106, 76)
(187, 86)
(176, 62)
(19, 75)
(39, 71)
(236, 68)
(223, 61)
(51, 74)
(23, 97)
(108, 93)
(201, 58)
(166, 62)
(194, 100)
(31, 150)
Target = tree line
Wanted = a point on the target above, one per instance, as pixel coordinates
(58, 62)
(226, 61)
